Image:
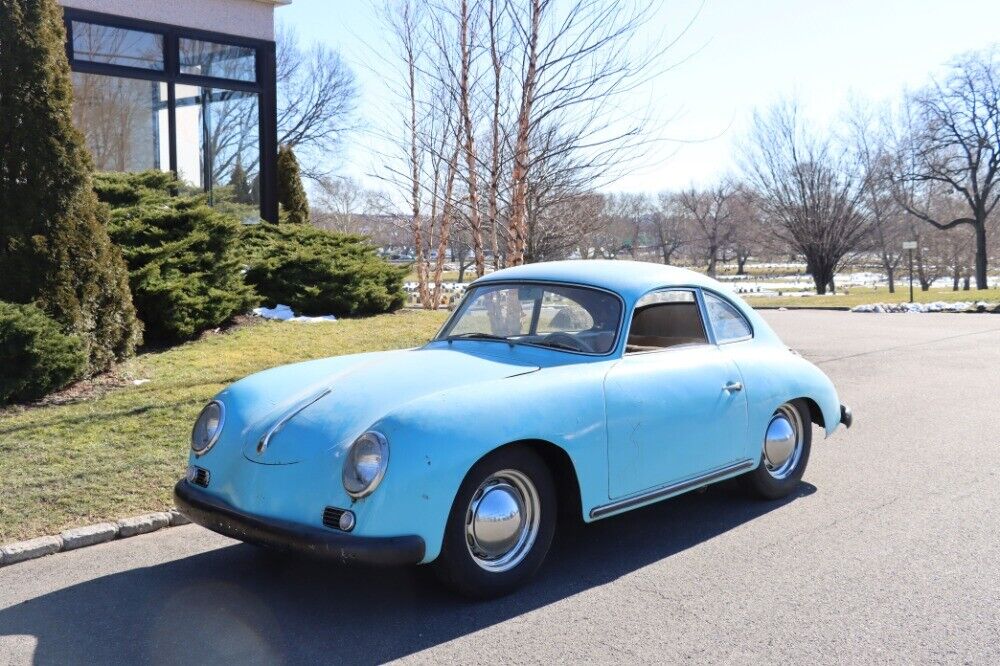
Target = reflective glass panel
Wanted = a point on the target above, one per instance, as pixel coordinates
(124, 121)
(117, 46)
(223, 61)
(218, 148)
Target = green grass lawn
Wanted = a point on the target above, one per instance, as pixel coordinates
(119, 453)
(863, 295)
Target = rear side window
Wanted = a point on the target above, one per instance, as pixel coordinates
(666, 319)
(728, 323)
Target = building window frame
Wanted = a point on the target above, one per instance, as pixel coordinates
(264, 86)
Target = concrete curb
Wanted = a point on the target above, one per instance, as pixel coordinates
(89, 535)
(21, 551)
(832, 308)
(81, 537)
(144, 524)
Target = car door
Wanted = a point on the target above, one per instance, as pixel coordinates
(675, 405)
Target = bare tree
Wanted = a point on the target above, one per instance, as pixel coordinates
(810, 190)
(405, 20)
(466, 23)
(671, 226)
(317, 97)
(873, 150)
(538, 82)
(931, 256)
(519, 178)
(341, 204)
(499, 48)
(631, 214)
(955, 141)
(748, 227)
(447, 215)
(711, 214)
(576, 68)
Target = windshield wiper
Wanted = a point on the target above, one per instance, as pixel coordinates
(475, 335)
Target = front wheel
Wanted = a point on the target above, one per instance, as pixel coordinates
(500, 526)
(784, 452)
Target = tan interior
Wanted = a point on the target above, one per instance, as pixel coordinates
(661, 325)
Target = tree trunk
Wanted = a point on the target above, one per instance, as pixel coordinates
(519, 178)
(418, 241)
(822, 276)
(494, 188)
(981, 254)
(921, 273)
(890, 273)
(444, 232)
(470, 144)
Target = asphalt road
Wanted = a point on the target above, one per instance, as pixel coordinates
(890, 552)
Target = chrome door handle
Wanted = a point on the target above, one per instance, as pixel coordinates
(733, 387)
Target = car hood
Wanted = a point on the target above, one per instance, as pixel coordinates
(334, 410)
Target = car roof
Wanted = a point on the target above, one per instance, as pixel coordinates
(630, 279)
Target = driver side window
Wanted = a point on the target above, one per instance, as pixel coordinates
(665, 319)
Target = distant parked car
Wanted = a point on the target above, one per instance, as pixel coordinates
(581, 387)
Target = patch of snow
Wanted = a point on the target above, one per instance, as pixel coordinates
(284, 313)
(312, 320)
(937, 306)
(279, 312)
(139, 382)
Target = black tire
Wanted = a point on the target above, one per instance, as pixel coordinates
(456, 567)
(761, 482)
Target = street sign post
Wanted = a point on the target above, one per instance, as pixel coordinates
(910, 246)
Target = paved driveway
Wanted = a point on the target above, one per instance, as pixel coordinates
(890, 552)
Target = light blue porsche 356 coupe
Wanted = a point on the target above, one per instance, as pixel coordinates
(554, 389)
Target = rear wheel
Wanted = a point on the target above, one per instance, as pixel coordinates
(500, 526)
(784, 452)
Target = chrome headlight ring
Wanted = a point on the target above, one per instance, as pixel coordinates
(365, 464)
(208, 427)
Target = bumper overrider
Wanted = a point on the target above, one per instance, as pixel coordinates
(212, 513)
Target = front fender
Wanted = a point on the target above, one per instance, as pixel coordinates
(435, 440)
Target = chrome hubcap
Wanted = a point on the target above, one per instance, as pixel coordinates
(783, 442)
(502, 520)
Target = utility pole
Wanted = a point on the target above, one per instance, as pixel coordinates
(910, 246)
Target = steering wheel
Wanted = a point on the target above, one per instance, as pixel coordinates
(565, 340)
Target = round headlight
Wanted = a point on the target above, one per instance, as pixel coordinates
(208, 427)
(365, 464)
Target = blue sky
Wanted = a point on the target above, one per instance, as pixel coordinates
(746, 53)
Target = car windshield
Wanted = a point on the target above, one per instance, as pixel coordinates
(576, 319)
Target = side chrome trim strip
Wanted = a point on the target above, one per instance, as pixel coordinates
(673, 489)
(273, 430)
